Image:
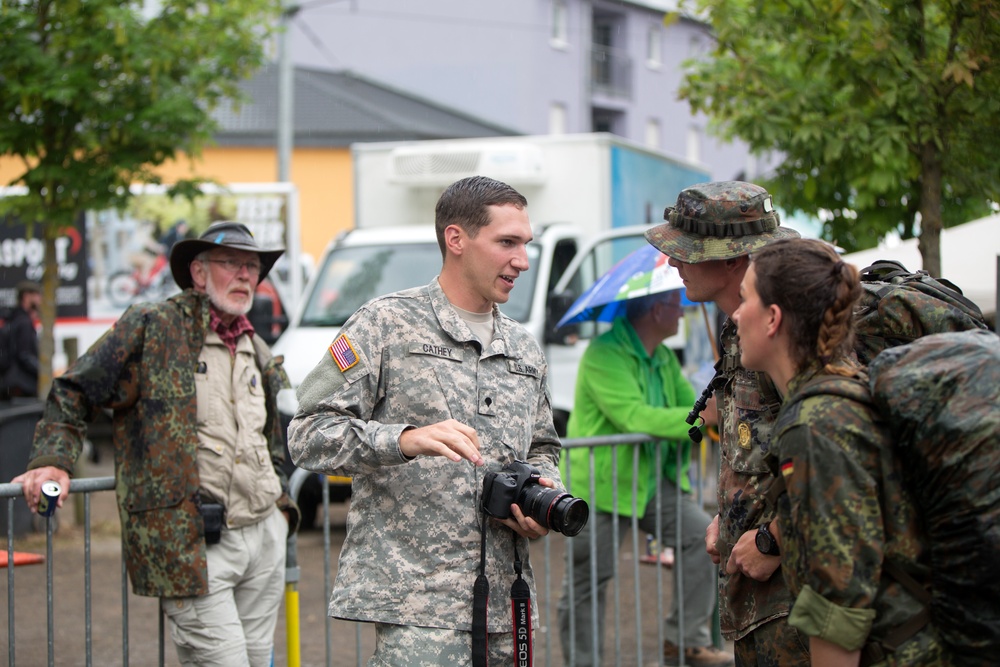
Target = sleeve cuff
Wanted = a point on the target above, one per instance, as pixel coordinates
(387, 444)
(818, 617)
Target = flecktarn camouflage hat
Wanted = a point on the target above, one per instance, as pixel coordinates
(718, 220)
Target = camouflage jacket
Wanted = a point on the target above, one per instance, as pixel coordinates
(748, 406)
(844, 516)
(412, 550)
(143, 370)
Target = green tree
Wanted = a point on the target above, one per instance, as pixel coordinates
(880, 109)
(94, 94)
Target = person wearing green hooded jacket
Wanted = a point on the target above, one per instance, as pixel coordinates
(628, 382)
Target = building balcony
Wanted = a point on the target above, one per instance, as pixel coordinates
(611, 73)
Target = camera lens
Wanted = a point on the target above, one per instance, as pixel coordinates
(554, 509)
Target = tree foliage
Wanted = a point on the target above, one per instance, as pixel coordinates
(881, 109)
(94, 94)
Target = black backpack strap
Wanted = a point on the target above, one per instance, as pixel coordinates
(883, 270)
(877, 651)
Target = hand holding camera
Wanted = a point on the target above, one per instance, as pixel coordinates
(517, 484)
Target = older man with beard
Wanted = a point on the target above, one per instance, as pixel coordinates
(200, 491)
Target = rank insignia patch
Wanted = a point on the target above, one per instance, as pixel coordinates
(343, 353)
(743, 431)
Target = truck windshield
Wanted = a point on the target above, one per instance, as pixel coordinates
(351, 276)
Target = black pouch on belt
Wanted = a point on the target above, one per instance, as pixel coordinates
(214, 515)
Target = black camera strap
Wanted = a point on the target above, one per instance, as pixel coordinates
(520, 604)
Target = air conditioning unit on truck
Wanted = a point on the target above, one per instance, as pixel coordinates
(590, 197)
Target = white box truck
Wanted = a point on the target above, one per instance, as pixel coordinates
(590, 197)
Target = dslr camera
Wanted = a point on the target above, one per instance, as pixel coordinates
(517, 483)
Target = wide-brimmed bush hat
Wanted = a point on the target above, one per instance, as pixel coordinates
(219, 235)
(718, 220)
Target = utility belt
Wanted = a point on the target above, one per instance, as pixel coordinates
(214, 517)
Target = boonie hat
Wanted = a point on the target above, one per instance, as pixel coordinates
(718, 220)
(219, 234)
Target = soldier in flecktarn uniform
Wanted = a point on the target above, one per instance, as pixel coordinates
(709, 235)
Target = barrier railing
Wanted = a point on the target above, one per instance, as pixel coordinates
(648, 589)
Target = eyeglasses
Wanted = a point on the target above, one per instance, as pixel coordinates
(234, 265)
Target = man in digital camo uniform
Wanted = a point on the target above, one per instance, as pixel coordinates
(708, 237)
(198, 444)
(421, 394)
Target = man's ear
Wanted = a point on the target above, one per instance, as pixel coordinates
(454, 238)
(738, 265)
(199, 277)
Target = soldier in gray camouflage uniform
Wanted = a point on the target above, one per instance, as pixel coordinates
(853, 553)
(421, 394)
(194, 396)
(708, 237)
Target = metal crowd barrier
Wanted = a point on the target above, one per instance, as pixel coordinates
(548, 593)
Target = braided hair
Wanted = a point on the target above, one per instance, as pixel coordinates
(816, 292)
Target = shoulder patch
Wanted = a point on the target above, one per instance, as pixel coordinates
(343, 353)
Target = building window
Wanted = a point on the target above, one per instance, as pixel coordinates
(654, 47)
(693, 152)
(557, 118)
(653, 133)
(560, 25)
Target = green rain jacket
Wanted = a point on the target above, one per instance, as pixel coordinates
(143, 369)
(621, 389)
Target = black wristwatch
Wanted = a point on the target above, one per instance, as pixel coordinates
(766, 544)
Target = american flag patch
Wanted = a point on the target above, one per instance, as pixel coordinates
(343, 353)
(787, 467)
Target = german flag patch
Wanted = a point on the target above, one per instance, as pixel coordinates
(787, 467)
(343, 353)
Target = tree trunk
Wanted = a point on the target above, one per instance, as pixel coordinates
(930, 209)
(47, 340)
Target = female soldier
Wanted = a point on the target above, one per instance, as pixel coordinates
(852, 551)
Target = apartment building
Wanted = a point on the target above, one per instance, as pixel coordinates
(536, 66)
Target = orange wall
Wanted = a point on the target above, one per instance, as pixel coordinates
(323, 177)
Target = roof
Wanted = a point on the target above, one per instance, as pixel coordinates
(338, 108)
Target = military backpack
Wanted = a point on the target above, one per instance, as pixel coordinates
(899, 306)
(940, 399)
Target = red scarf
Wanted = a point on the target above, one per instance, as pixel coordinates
(231, 333)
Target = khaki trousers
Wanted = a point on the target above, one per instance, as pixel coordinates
(233, 626)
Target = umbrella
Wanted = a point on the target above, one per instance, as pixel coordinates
(643, 271)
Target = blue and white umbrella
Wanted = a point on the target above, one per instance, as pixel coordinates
(642, 272)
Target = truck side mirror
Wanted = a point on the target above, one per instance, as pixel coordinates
(558, 304)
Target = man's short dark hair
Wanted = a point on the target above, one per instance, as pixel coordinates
(464, 203)
(27, 287)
